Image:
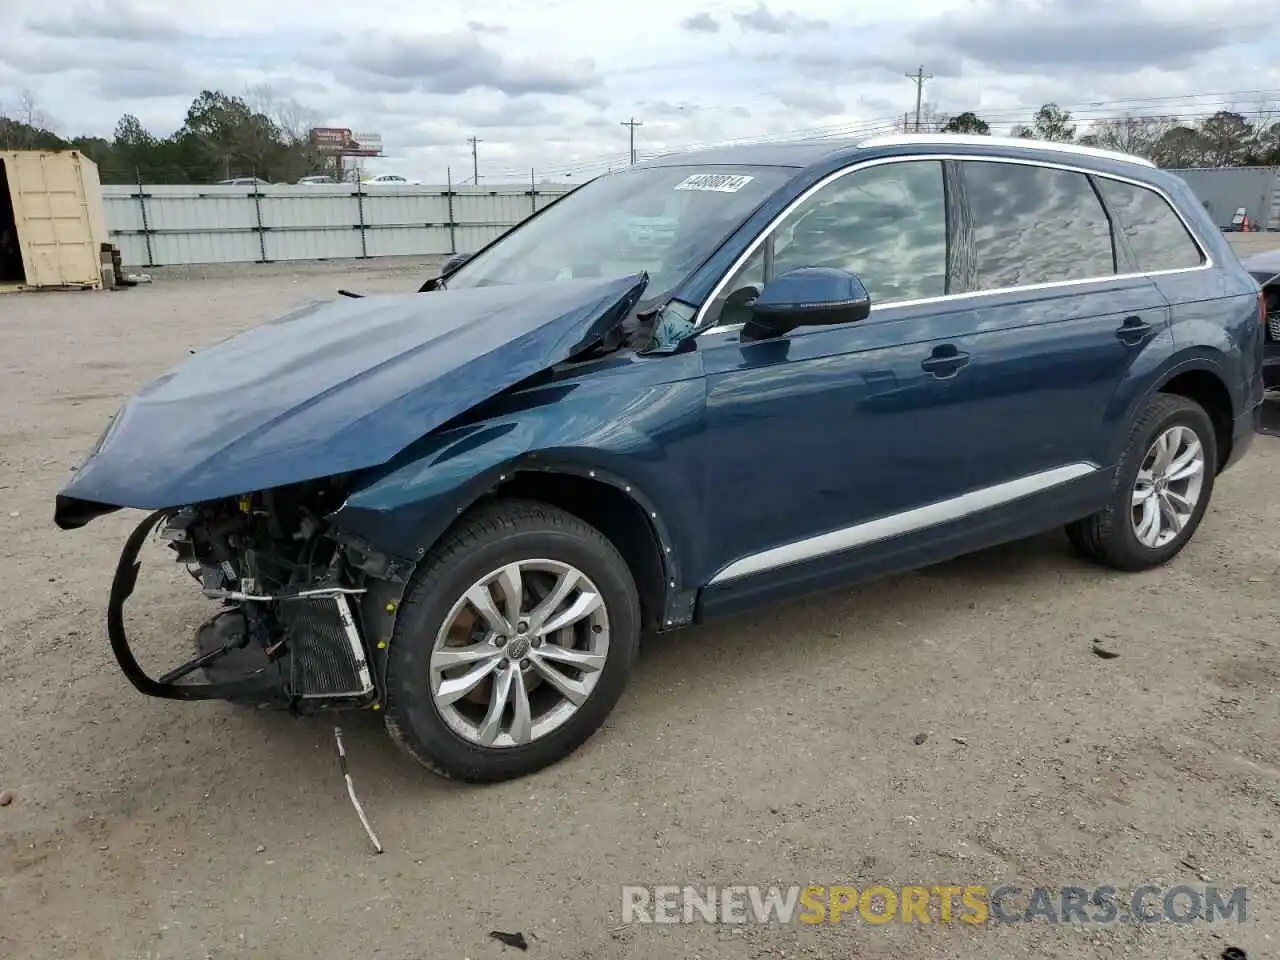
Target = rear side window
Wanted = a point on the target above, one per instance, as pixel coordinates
(1035, 225)
(1156, 235)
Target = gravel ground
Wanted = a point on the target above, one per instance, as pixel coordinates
(781, 747)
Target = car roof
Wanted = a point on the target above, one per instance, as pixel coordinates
(796, 153)
(805, 153)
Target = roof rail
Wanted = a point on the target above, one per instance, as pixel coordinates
(974, 139)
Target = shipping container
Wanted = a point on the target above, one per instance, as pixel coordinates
(1224, 190)
(52, 224)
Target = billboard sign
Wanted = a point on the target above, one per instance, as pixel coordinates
(331, 139)
(339, 141)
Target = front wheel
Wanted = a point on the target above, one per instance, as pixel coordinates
(514, 642)
(1162, 488)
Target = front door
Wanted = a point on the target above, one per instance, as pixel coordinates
(838, 433)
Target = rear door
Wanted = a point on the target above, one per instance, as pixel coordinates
(1215, 310)
(1064, 323)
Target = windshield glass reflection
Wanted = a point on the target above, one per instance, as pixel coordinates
(663, 221)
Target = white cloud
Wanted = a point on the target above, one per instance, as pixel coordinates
(547, 85)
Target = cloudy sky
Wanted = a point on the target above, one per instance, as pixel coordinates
(547, 85)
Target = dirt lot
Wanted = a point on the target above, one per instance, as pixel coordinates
(777, 748)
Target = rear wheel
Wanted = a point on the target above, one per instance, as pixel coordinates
(515, 640)
(1162, 487)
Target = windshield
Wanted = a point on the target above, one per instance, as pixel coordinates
(661, 220)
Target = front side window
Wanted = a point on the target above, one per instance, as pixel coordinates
(1157, 237)
(1034, 225)
(887, 224)
(661, 220)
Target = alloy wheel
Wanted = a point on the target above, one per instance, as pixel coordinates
(1168, 487)
(519, 653)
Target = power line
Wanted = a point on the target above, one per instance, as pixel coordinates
(830, 132)
(633, 123)
(872, 127)
(1204, 106)
(1091, 111)
(1084, 112)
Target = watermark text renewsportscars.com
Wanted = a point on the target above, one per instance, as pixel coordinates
(971, 904)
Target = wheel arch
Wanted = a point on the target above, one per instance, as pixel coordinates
(613, 504)
(1207, 388)
(1198, 378)
(623, 513)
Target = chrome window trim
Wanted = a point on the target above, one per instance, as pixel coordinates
(1016, 143)
(907, 521)
(1207, 264)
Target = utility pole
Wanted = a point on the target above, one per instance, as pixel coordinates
(475, 159)
(919, 77)
(633, 123)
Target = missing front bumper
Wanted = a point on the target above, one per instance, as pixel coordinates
(316, 659)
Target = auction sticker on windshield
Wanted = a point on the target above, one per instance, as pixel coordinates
(715, 182)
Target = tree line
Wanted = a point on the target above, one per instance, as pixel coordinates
(1225, 139)
(222, 136)
(259, 134)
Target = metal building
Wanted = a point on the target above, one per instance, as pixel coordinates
(1224, 190)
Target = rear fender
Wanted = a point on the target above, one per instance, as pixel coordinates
(1200, 360)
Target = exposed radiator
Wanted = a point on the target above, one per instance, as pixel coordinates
(1273, 327)
(326, 656)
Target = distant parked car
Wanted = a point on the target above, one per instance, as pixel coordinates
(320, 180)
(391, 180)
(461, 508)
(243, 182)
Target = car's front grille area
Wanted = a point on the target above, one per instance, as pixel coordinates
(1273, 327)
(326, 658)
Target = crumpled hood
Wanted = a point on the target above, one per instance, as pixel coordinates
(334, 387)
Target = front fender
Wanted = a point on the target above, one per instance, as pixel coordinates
(644, 451)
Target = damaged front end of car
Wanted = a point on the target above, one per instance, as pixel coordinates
(301, 412)
(297, 601)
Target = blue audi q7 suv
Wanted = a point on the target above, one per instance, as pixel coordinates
(462, 507)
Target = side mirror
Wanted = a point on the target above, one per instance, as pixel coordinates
(454, 262)
(808, 296)
(450, 265)
(737, 305)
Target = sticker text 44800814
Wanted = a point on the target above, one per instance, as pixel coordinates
(715, 182)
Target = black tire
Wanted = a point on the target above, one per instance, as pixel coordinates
(1107, 537)
(490, 537)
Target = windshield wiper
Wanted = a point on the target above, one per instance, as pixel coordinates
(348, 293)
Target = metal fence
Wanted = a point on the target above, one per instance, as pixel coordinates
(170, 225)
